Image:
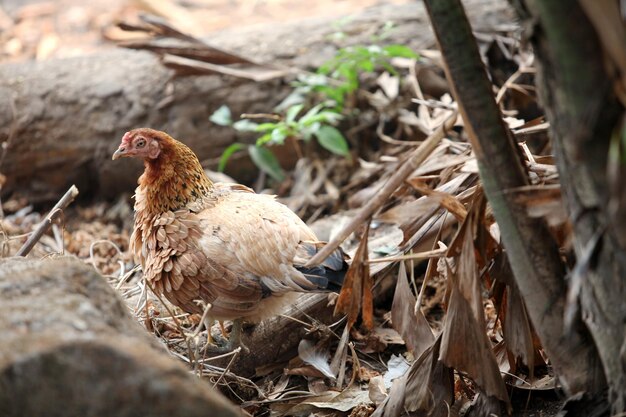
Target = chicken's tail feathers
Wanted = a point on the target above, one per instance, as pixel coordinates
(327, 276)
(324, 279)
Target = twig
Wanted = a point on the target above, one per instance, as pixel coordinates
(235, 353)
(386, 138)
(413, 161)
(91, 254)
(261, 116)
(43, 227)
(509, 82)
(435, 253)
(127, 275)
(305, 324)
(429, 268)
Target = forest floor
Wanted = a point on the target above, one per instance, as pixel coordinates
(423, 225)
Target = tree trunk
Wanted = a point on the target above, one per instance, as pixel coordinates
(66, 117)
(70, 348)
(577, 92)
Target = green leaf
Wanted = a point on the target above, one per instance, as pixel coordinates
(279, 135)
(329, 117)
(348, 70)
(366, 65)
(297, 96)
(304, 120)
(327, 67)
(228, 152)
(308, 131)
(400, 51)
(336, 95)
(222, 116)
(245, 125)
(266, 161)
(265, 127)
(313, 79)
(264, 139)
(292, 112)
(332, 139)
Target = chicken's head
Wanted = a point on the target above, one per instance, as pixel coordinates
(140, 143)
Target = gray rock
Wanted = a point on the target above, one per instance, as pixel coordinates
(70, 348)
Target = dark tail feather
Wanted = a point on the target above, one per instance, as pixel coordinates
(323, 278)
(329, 275)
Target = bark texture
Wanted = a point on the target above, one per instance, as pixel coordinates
(70, 348)
(577, 92)
(66, 117)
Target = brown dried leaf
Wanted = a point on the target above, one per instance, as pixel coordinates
(505, 360)
(347, 400)
(545, 383)
(427, 386)
(356, 293)
(367, 303)
(445, 200)
(430, 384)
(407, 320)
(542, 201)
(387, 336)
(516, 328)
(338, 364)
(317, 386)
(307, 370)
(278, 388)
(465, 345)
(393, 405)
(377, 390)
(519, 337)
(389, 84)
(412, 215)
(191, 56)
(186, 66)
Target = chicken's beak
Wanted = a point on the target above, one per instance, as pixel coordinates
(121, 152)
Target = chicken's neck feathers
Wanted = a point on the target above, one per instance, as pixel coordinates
(172, 182)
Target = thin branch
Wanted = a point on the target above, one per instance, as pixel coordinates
(435, 253)
(43, 227)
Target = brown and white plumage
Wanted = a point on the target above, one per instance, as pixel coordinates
(239, 252)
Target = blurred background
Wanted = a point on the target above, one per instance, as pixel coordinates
(34, 29)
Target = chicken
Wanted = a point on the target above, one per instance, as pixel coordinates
(222, 246)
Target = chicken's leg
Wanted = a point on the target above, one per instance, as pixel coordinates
(234, 341)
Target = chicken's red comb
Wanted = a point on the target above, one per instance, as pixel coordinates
(127, 137)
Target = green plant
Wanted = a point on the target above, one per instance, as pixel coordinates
(329, 87)
(317, 122)
(339, 77)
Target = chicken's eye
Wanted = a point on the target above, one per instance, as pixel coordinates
(140, 143)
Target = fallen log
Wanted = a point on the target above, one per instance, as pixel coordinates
(62, 119)
(70, 348)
